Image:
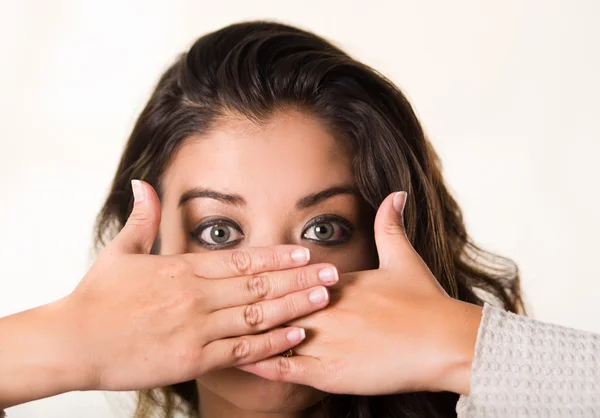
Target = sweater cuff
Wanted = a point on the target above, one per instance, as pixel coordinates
(524, 367)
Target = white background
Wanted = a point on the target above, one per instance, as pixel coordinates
(507, 91)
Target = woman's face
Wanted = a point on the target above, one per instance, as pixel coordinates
(268, 183)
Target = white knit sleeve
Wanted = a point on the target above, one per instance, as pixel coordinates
(527, 368)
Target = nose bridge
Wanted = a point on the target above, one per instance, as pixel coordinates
(268, 230)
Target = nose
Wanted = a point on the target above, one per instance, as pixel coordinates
(271, 233)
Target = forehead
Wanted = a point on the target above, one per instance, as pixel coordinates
(291, 154)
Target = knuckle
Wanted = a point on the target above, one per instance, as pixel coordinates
(241, 349)
(302, 279)
(259, 286)
(241, 261)
(283, 368)
(253, 315)
(194, 301)
(139, 218)
(291, 305)
(394, 229)
(275, 259)
(175, 268)
(189, 357)
(270, 344)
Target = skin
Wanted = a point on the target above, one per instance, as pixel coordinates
(140, 321)
(386, 331)
(271, 167)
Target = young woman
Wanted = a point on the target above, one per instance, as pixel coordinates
(263, 134)
(277, 218)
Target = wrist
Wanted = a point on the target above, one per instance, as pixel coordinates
(59, 357)
(462, 327)
(71, 354)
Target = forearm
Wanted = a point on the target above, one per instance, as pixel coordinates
(35, 357)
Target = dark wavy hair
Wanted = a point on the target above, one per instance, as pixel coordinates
(257, 68)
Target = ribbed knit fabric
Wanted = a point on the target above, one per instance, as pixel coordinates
(528, 368)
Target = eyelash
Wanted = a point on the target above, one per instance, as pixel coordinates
(347, 230)
(346, 226)
(197, 233)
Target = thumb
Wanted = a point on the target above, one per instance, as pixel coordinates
(140, 231)
(390, 235)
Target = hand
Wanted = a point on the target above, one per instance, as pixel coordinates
(141, 321)
(386, 331)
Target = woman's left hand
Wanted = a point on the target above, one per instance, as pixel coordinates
(389, 330)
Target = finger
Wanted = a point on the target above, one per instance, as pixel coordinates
(237, 291)
(250, 348)
(390, 235)
(231, 263)
(139, 233)
(250, 319)
(302, 370)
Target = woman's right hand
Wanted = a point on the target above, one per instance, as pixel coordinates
(140, 321)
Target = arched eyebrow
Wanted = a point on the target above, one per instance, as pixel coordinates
(315, 198)
(237, 200)
(232, 199)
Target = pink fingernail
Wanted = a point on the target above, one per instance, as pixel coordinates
(399, 202)
(319, 295)
(328, 275)
(139, 194)
(301, 255)
(296, 335)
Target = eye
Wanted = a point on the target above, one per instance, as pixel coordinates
(218, 233)
(328, 230)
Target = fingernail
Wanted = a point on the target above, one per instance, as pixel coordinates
(296, 335)
(139, 194)
(399, 202)
(319, 295)
(301, 255)
(328, 275)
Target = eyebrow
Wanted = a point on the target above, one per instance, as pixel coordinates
(313, 199)
(232, 199)
(237, 200)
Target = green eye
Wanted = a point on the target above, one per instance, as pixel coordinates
(324, 231)
(218, 233)
(328, 230)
